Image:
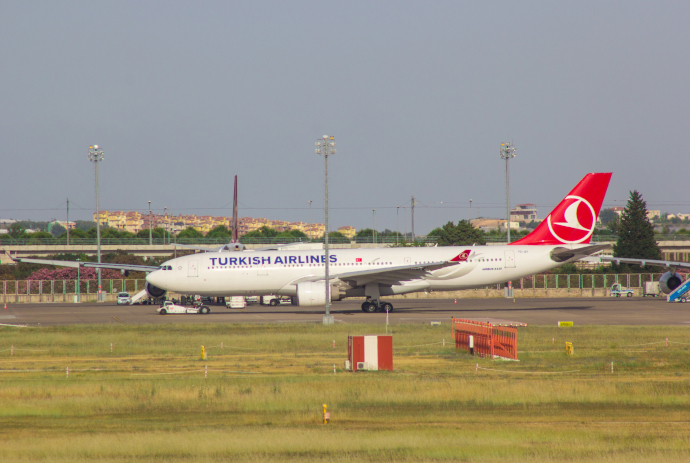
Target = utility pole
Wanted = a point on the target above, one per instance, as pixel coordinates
(67, 224)
(150, 225)
(96, 156)
(413, 235)
(397, 214)
(373, 216)
(324, 147)
(310, 227)
(405, 221)
(507, 152)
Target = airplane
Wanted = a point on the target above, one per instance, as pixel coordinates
(564, 236)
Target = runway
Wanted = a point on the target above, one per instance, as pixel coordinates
(536, 311)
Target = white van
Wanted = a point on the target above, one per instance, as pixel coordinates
(123, 299)
(235, 302)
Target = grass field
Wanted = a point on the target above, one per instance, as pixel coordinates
(262, 400)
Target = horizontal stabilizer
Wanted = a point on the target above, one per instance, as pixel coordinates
(563, 255)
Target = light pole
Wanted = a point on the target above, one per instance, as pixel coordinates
(150, 225)
(470, 209)
(507, 152)
(167, 225)
(78, 280)
(405, 220)
(397, 233)
(310, 228)
(373, 214)
(96, 156)
(325, 147)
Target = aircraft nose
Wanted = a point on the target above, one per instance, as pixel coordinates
(157, 278)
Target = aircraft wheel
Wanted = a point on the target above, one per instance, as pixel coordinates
(163, 312)
(387, 307)
(364, 306)
(370, 307)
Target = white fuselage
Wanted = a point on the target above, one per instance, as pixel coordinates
(276, 272)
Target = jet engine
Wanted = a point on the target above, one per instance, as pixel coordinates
(154, 291)
(312, 294)
(669, 281)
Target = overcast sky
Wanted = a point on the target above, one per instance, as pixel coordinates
(182, 96)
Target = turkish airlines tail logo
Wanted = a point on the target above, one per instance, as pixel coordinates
(573, 220)
(463, 256)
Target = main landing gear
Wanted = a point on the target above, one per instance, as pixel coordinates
(375, 305)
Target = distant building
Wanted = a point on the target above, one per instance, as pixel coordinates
(348, 232)
(487, 225)
(524, 213)
(651, 215)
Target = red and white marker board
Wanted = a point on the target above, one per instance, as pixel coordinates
(375, 351)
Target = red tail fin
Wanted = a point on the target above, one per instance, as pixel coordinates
(574, 219)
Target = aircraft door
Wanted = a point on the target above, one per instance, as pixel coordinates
(510, 259)
(193, 268)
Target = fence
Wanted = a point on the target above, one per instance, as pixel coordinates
(57, 287)
(582, 281)
(551, 281)
(488, 340)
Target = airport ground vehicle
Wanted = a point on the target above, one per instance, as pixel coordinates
(123, 299)
(251, 300)
(618, 291)
(276, 300)
(650, 288)
(235, 302)
(169, 307)
(152, 301)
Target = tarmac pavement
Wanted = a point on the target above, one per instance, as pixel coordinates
(533, 311)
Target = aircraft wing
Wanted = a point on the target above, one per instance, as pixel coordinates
(66, 263)
(640, 262)
(384, 276)
(199, 248)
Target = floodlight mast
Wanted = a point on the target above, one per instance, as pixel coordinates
(96, 156)
(325, 147)
(507, 152)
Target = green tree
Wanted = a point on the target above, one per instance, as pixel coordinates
(365, 232)
(636, 233)
(607, 215)
(40, 237)
(189, 232)
(85, 225)
(16, 231)
(155, 233)
(74, 233)
(263, 232)
(57, 230)
(220, 232)
(455, 235)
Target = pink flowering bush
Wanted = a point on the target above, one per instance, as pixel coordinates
(70, 273)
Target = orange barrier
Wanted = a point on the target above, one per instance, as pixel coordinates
(489, 341)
